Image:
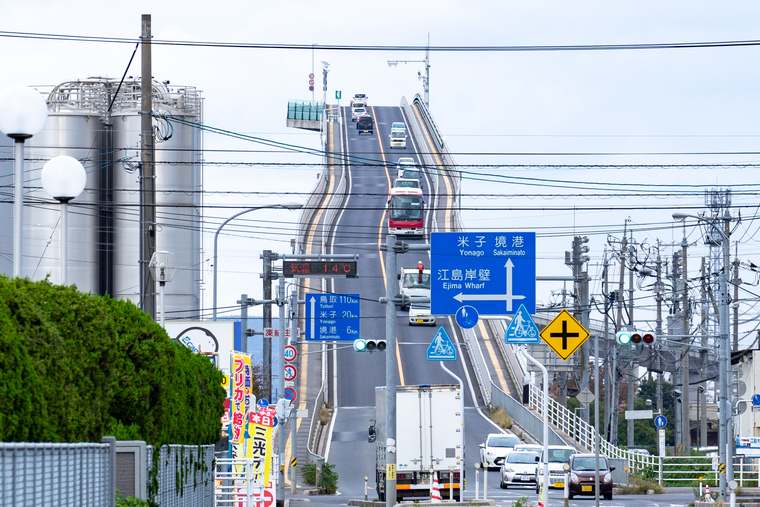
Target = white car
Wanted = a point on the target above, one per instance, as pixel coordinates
(359, 99)
(413, 283)
(419, 315)
(397, 137)
(558, 455)
(496, 448)
(358, 112)
(403, 163)
(406, 183)
(519, 469)
(537, 448)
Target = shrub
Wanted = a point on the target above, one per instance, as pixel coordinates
(500, 417)
(328, 477)
(130, 501)
(639, 486)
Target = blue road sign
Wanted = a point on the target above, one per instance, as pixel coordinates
(332, 317)
(262, 403)
(491, 271)
(521, 328)
(441, 348)
(467, 317)
(755, 400)
(660, 422)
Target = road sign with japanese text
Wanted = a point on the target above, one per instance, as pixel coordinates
(564, 334)
(493, 272)
(332, 317)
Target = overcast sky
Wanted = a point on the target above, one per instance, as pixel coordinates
(682, 100)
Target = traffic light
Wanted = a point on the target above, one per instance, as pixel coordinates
(634, 337)
(420, 269)
(362, 345)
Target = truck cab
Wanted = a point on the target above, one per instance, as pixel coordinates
(414, 284)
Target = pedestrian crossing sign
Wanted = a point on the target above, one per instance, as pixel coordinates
(521, 328)
(441, 348)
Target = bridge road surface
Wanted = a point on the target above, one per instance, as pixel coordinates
(361, 228)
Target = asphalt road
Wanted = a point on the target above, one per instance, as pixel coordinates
(361, 229)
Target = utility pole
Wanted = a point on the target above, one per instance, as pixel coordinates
(147, 175)
(686, 324)
(390, 371)
(580, 309)
(282, 404)
(703, 353)
(658, 327)
(735, 302)
(267, 276)
(244, 303)
(293, 306)
(631, 384)
(618, 327)
(674, 328)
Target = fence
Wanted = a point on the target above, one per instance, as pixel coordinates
(43, 474)
(85, 474)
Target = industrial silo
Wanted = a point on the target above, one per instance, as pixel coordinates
(6, 205)
(73, 128)
(178, 197)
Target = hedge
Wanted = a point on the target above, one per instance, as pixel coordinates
(75, 367)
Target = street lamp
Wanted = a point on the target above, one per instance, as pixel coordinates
(424, 78)
(63, 178)
(724, 406)
(233, 217)
(23, 112)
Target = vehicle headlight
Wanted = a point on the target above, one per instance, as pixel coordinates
(507, 469)
(574, 478)
(608, 477)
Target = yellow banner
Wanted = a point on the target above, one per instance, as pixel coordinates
(241, 389)
(259, 448)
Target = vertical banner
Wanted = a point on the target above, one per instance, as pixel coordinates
(241, 389)
(261, 452)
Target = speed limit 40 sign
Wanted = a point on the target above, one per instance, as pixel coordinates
(290, 353)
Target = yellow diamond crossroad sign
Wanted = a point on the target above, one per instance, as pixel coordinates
(564, 335)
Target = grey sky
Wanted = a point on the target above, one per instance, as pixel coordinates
(649, 100)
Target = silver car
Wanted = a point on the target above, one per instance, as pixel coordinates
(519, 469)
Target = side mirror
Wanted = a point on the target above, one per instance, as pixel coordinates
(566, 467)
(538, 459)
(612, 469)
(482, 446)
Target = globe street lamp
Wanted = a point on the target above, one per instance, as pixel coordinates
(725, 441)
(63, 178)
(23, 112)
(233, 217)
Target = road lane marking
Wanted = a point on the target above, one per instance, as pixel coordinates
(380, 241)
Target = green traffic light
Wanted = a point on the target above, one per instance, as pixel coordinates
(624, 338)
(360, 345)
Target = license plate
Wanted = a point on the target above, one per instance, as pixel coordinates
(558, 485)
(420, 321)
(587, 489)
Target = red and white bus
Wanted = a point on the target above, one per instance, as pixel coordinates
(406, 212)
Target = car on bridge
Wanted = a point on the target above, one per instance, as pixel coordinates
(557, 457)
(519, 469)
(397, 137)
(406, 212)
(407, 183)
(419, 315)
(358, 112)
(359, 99)
(496, 448)
(582, 468)
(413, 286)
(404, 163)
(365, 125)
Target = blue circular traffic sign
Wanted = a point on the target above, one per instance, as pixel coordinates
(467, 316)
(755, 400)
(660, 422)
(262, 403)
(290, 394)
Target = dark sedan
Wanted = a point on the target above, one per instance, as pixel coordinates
(582, 472)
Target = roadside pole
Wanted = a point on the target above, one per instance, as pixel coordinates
(280, 400)
(390, 371)
(597, 436)
(292, 340)
(545, 420)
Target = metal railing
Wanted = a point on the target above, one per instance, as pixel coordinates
(583, 434)
(523, 417)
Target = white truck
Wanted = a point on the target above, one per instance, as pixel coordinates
(414, 285)
(429, 439)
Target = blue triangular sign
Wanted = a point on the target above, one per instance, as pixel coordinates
(521, 329)
(441, 348)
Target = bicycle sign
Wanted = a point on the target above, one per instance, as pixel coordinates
(522, 328)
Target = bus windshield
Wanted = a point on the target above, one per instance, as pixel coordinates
(406, 207)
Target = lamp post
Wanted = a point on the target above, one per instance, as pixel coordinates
(23, 112)
(63, 178)
(724, 366)
(424, 78)
(233, 217)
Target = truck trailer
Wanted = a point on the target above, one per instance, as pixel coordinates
(429, 439)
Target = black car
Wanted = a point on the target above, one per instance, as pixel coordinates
(365, 124)
(582, 471)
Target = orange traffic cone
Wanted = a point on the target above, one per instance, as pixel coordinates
(435, 490)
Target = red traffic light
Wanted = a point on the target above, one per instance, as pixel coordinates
(648, 338)
(636, 338)
(420, 268)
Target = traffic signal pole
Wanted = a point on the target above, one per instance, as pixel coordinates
(390, 371)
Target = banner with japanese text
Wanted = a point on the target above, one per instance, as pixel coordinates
(241, 392)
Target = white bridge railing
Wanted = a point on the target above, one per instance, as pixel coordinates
(583, 434)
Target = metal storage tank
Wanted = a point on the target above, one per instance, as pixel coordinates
(6, 205)
(178, 197)
(73, 128)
